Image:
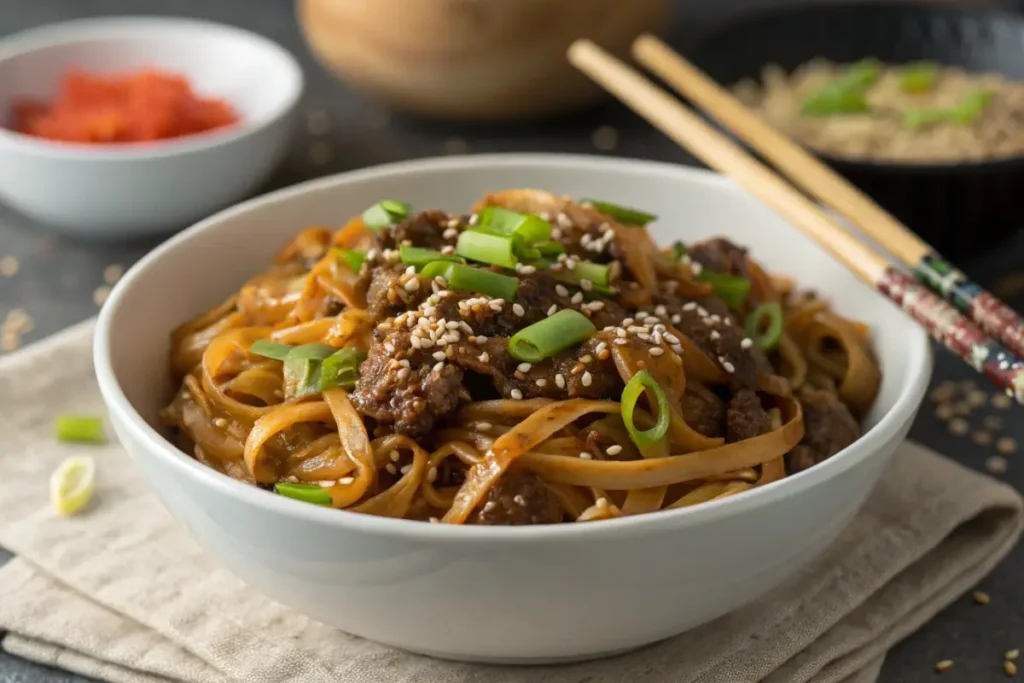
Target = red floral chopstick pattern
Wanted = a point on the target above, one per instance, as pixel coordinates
(955, 332)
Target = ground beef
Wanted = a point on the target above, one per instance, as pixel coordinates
(518, 498)
(706, 414)
(721, 256)
(411, 398)
(423, 229)
(829, 427)
(746, 417)
(710, 325)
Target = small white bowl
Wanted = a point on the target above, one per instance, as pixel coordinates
(110, 191)
(497, 594)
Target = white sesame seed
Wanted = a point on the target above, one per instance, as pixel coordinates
(519, 500)
(403, 374)
(346, 480)
(585, 456)
(614, 449)
(483, 426)
(405, 469)
(439, 355)
(586, 284)
(438, 367)
(473, 219)
(553, 309)
(480, 339)
(524, 367)
(518, 310)
(746, 343)
(404, 363)
(586, 358)
(728, 367)
(220, 422)
(620, 341)
(560, 381)
(516, 394)
(690, 306)
(394, 455)
(390, 469)
(656, 351)
(577, 298)
(432, 475)
(542, 382)
(714, 335)
(560, 290)
(528, 270)
(411, 270)
(587, 379)
(327, 483)
(389, 347)
(490, 505)
(676, 319)
(484, 357)
(601, 346)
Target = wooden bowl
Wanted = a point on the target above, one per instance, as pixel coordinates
(484, 60)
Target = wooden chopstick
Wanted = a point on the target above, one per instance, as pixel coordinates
(819, 180)
(677, 121)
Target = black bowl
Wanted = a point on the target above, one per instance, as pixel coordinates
(959, 208)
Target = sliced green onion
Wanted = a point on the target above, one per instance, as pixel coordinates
(547, 337)
(597, 273)
(80, 429)
(622, 214)
(498, 250)
(351, 258)
(314, 351)
(417, 256)
(971, 107)
(730, 289)
(270, 349)
(863, 73)
(550, 248)
(529, 227)
(302, 377)
(835, 98)
(435, 269)
(918, 118)
(384, 213)
(678, 251)
(307, 493)
(764, 325)
(341, 369)
(637, 384)
(919, 77)
(469, 279)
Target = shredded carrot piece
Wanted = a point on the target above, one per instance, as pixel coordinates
(139, 106)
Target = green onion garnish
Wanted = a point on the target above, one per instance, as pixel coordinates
(314, 351)
(547, 337)
(678, 251)
(764, 325)
(307, 493)
(341, 369)
(835, 98)
(622, 214)
(527, 226)
(732, 290)
(351, 258)
(485, 247)
(862, 73)
(971, 107)
(302, 377)
(597, 273)
(417, 256)
(550, 248)
(80, 429)
(919, 77)
(270, 349)
(469, 279)
(384, 213)
(435, 269)
(656, 396)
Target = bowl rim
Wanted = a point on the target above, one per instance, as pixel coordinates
(155, 445)
(805, 8)
(74, 31)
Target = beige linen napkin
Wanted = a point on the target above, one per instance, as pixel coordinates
(121, 593)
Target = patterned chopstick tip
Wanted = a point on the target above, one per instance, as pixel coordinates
(958, 334)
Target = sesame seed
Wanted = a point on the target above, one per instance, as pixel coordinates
(553, 309)
(586, 285)
(1006, 445)
(406, 469)
(981, 598)
(394, 455)
(403, 374)
(577, 298)
(432, 475)
(614, 449)
(560, 290)
(484, 357)
(390, 469)
(483, 426)
(728, 367)
(585, 456)
(327, 483)
(100, 295)
(620, 341)
(689, 306)
(490, 505)
(411, 270)
(439, 355)
(346, 480)
(518, 310)
(528, 270)
(519, 500)
(1012, 654)
(996, 464)
(412, 285)
(220, 422)
(438, 366)
(944, 665)
(958, 426)
(1009, 668)
(542, 382)
(587, 379)
(516, 394)
(676, 319)
(601, 346)
(982, 438)
(560, 380)
(656, 351)
(524, 367)
(1001, 401)
(480, 339)
(746, 343)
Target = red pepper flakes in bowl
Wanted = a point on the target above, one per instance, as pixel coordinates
(139, 106)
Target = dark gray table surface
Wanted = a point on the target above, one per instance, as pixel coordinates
(57, 278)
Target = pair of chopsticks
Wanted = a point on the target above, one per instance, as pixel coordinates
(937, 312)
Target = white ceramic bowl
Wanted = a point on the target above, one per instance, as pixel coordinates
(118, 190)
(523, 594)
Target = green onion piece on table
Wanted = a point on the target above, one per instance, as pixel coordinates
(730, 289)
(764, 326)
(498, 250)
(385, 213)
(551, 335)
(919, 78)
(419, 257)
(270, 349)
(80, 429)
(307, 493)
(341, 369)
(623, 214)
(351, 258)
(527, 226)
(637, 384)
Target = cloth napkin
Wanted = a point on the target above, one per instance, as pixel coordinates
(121, 593)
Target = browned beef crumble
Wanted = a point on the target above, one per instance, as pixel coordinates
(829, 427)
(518, 498)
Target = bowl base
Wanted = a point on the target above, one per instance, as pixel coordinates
(522, 661)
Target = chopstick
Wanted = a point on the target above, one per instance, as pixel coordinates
(819, 180)
(943, 322)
